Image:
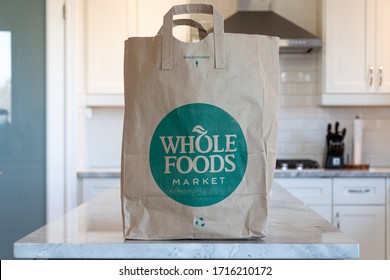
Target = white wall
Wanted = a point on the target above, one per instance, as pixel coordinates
(303, 121)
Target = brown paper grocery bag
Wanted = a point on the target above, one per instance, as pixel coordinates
(199, 137)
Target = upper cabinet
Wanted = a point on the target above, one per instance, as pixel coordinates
(108, 24)
(356, 52)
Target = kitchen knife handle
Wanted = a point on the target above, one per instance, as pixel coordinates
(380, 75)
(370, 75)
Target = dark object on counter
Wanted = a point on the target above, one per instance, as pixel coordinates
(335, 147)
(357, 166)
(297, 164)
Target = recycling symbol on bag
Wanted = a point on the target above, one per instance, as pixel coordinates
(200, 222)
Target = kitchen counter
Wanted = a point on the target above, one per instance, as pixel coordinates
(378, 172)
(381, 172)
(99, 173)
(94, 230)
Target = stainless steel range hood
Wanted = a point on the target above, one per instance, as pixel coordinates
(293, 39)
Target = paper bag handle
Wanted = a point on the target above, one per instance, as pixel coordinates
(202, 33)
(167, 49)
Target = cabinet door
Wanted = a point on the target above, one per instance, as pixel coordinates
(108, 26)
(151, 14)
(349, 48)
(364, 224)
(382, 70)
(356, 60)
(388, 219)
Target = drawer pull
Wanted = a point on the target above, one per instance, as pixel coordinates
(359, 191)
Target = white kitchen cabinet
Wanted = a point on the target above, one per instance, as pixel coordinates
(365, 224)
(359, 191)
(90, 187)
(356, 60)
(388, 219)
(314, 192)
(108, 24)
(359, 210)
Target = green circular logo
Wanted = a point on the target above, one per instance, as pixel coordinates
(198, 154)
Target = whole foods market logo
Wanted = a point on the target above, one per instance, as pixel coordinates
(198, 154)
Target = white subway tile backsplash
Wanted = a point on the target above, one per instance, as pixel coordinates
(379, 113)
(284, 136)
(286, 89)
(104, 137)
(290, 124)
(292, 77)
(372, 136)
(306, 136)
(288, 150)
(314, 149)
(310, 77)
(304, 88)
(383, 124)
(303, 122)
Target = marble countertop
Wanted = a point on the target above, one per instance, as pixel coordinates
(377, 172)
(380, 172)
(94, 230)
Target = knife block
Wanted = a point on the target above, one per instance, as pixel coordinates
(335, 155)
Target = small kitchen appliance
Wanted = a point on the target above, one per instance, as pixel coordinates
(297, 164)
(335, 147)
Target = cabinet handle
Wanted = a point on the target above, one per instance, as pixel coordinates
(380, 75)
(338, 220)
(370, 75)
(359, 190)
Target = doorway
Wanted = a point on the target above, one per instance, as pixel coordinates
(23, 129)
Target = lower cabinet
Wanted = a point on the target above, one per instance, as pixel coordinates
(359, 210)
(356, 206)
(314, 192)
(91, 187)
(364, 224)
(388, 219)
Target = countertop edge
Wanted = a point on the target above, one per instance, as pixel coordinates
(77, 235)
(193, 250)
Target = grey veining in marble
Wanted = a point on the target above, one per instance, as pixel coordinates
(94, 230)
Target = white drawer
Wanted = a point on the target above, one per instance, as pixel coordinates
(310, 191)
(359, 191)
